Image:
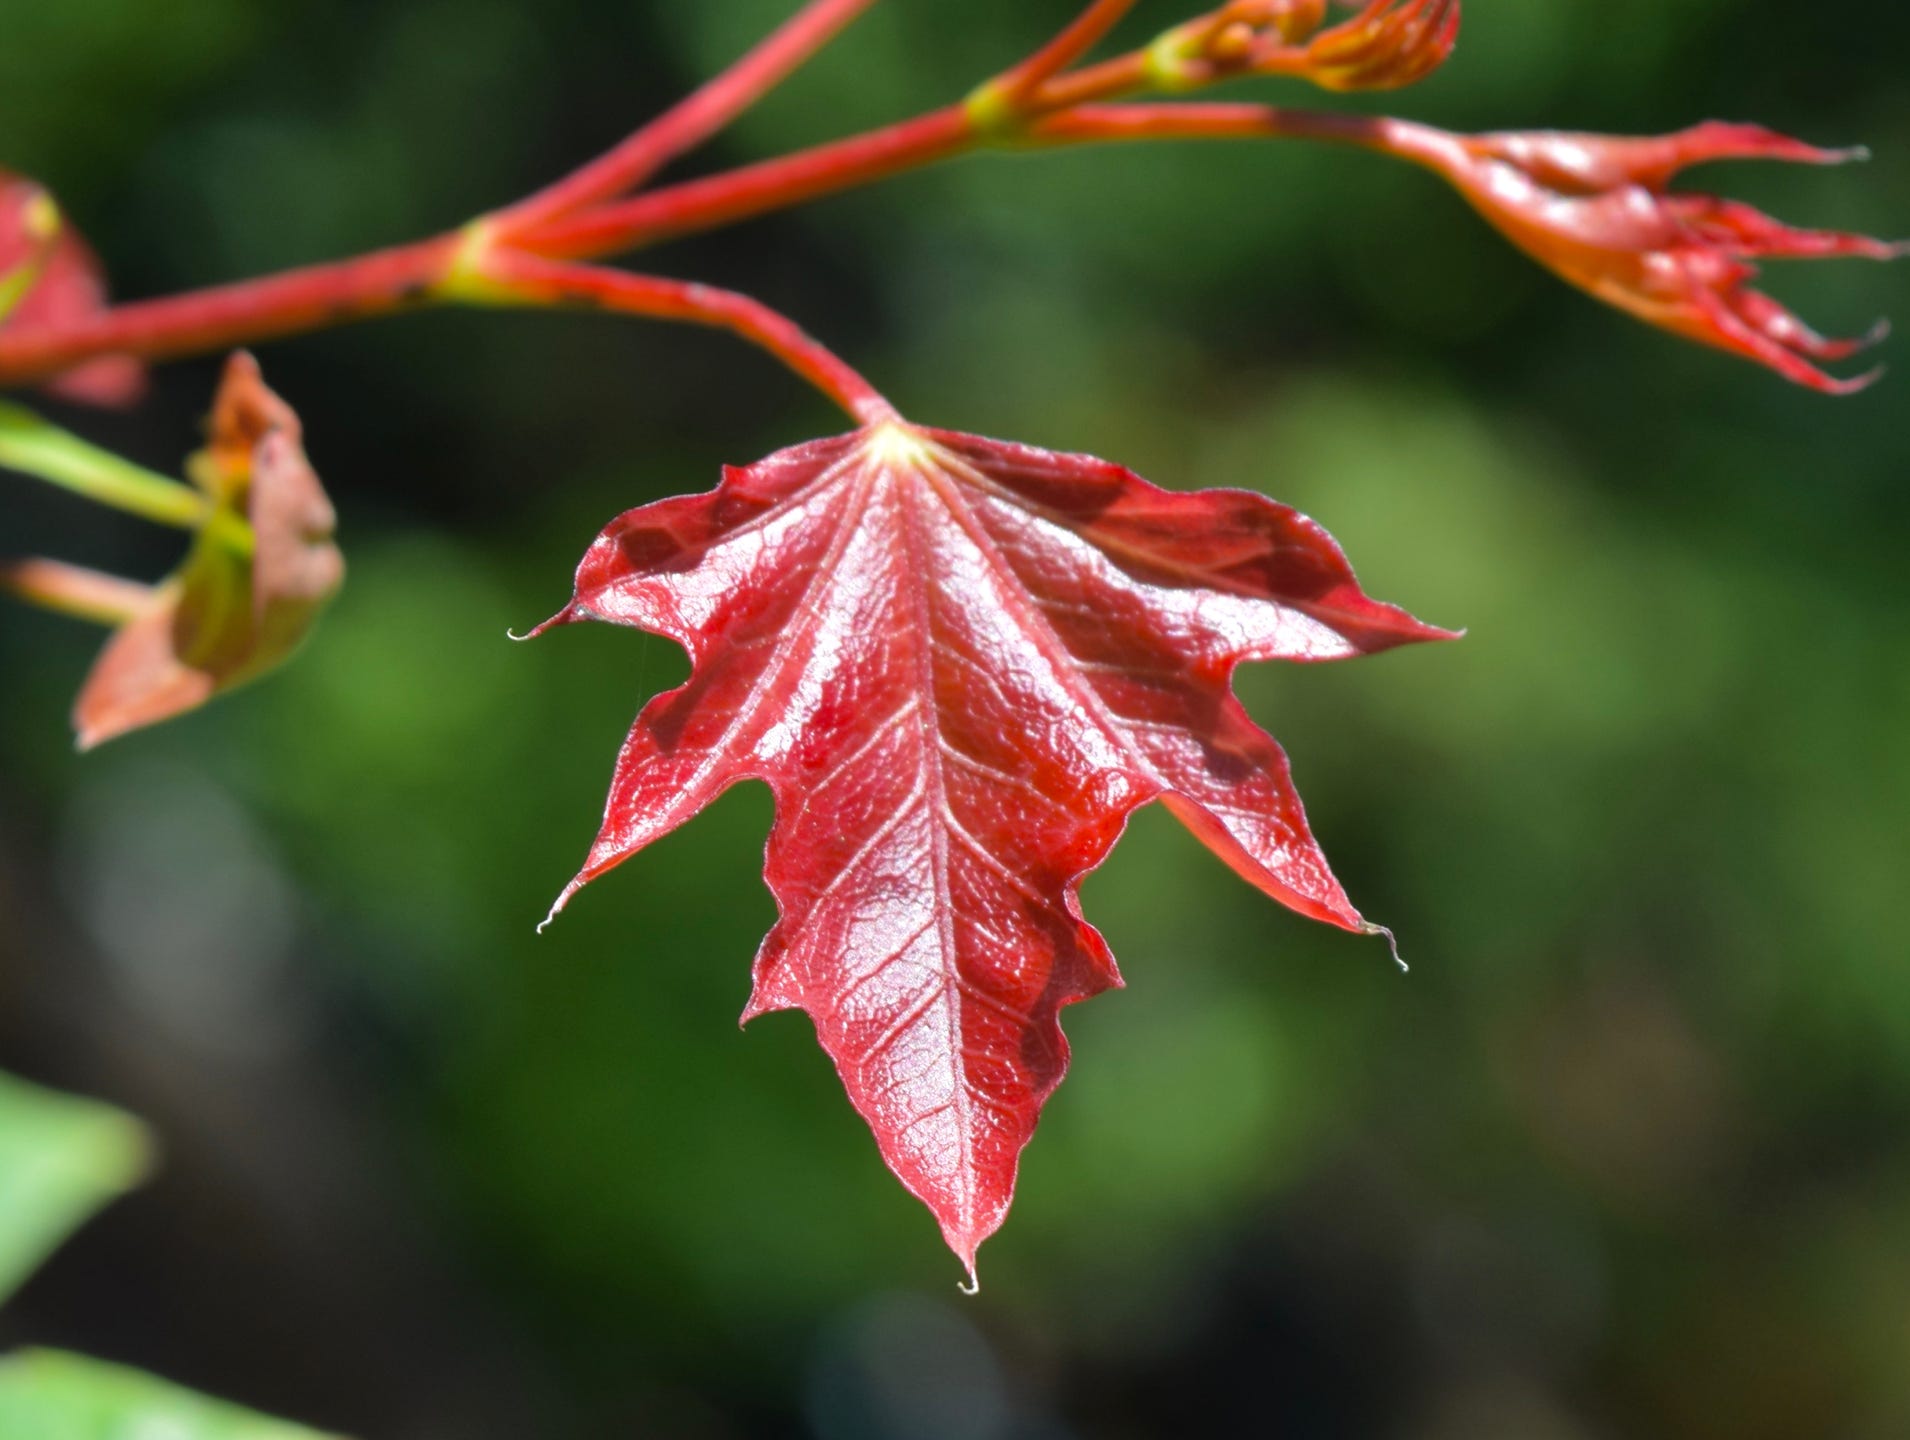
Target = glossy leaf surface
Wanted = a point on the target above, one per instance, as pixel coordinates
(960, 664)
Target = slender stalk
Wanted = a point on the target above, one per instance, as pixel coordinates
(750, 190)
(1088, 124)
(845, 164)
(838, 165)
(31, 446)
(1010, 91)
(293, 302)
(1424, 145)
(692, 120)
(1110, 80)
(1063, 110)
(73, 590)
(506, 277)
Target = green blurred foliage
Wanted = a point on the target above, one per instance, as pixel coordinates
(60, 1160)
(51, 1396)
(1623, 1154)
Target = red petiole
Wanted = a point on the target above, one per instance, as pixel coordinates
(515, 278)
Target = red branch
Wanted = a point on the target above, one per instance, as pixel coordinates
(576, 218)
(1088, 29)
(755, 189)
(514, 278)
(311, 298)
(692, 120)
(1092, 123)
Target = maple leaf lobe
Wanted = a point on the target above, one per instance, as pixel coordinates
(960, 664)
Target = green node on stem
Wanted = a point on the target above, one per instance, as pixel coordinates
(1168, 60)
(993, 111)
(468, 278)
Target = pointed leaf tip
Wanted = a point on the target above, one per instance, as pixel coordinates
(1856, 384)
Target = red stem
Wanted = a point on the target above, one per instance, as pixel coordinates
(227, 315)
(692, 120)
(1095, 123)
(843, 164)
(753, 189)
(514, 278)
(1109, 80)
(322, 295)
(1088, 29)
(388, 280)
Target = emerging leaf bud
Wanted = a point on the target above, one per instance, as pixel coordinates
(1387, 45)
(50, 276)
(1297, 19)
(1596, 210)
(260, 571)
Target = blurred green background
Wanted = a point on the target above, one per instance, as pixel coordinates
(1624, 1156)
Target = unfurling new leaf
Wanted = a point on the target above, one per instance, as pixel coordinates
(261, 568)
(1597, 209)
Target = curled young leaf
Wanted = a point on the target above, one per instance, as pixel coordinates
(1294, 20)
(1389, 44)
(1597, 210)
(260, 570)
(960, 664)
(51, 277)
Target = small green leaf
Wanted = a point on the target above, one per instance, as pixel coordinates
(60, 1160)
(53, 1396)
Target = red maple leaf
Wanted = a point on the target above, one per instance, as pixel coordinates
(960, 664)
